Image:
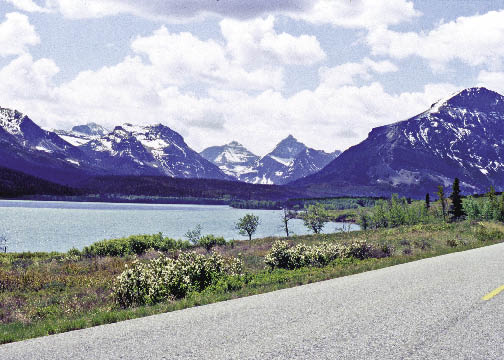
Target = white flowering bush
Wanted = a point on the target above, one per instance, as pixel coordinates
(165, 278)
(359, 249)
(285, 257)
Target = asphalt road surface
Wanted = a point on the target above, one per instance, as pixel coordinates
(429, 309)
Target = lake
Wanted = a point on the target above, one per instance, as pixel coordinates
(59, 226)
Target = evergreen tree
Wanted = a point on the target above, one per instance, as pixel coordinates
(441, 196)
(456, 209)
(427, 201)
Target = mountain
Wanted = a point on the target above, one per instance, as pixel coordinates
(25, 147)
(459, 136)
(149, 150)
(81, 134)
(233, 158)
(67, 157)
(289, 160)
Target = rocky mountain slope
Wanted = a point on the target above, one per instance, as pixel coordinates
(149, 150)
(289, 160)
(25, 147)
(81, 134)
(459, 136)
(89, 150)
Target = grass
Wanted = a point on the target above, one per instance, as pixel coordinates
(48, 293)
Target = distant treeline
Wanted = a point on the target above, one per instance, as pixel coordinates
(337, 203)
(117, 198)
(176, 187)
(14, 184)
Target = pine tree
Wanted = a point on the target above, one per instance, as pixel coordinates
(427, 201)
(456, 207)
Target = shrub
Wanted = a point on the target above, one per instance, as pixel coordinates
(209, 241)
(483, 234)
(360, 249)
(194, 235)
(452, 242)
(164, 278)
(395, 212)
(133, 245)
(285, 257)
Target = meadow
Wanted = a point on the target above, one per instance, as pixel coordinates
(48, 293)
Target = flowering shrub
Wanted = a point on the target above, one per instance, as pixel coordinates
(285, 257)
(165, 278)
(281, 256)
(360, 249)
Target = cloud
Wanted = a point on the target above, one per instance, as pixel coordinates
(475, 40)
(176, 10)
(345, 74)
(27, 5)
(256, 42)
(332, 116)
(16, 34)
(359, 13)
(344, 13)
(492, 79)
(183, 59)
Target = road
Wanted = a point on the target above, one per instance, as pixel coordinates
(429, 309)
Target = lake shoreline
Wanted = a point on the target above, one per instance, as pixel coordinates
(32, 225)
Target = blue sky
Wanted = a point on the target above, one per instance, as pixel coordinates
(325, 71)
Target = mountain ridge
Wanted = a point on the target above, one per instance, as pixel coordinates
(289, 160)
(458, 136)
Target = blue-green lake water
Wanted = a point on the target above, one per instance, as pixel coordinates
(59, 226)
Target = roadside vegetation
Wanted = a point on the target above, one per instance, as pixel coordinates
(119, 279)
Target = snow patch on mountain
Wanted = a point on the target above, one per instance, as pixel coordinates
(10, 121)
(288, 161)
(152, 150)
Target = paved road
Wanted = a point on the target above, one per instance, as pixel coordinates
(430, 309)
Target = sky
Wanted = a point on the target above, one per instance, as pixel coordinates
(254, 71)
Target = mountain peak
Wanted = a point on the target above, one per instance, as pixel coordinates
(92, 129)
(288, 148)
(10, 120)
(470, 98)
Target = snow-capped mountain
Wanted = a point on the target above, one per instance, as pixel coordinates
(459, 136)
(81, 134)
(24, 146)
(149, 150)
(289, 160)
(233, 158)
(88, 150)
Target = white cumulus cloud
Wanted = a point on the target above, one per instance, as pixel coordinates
(345, 74)
(16, 34)
(27, 5)
(256, 42)
(475, 40)
(183, 59)
(493, 80)
(359, 13)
